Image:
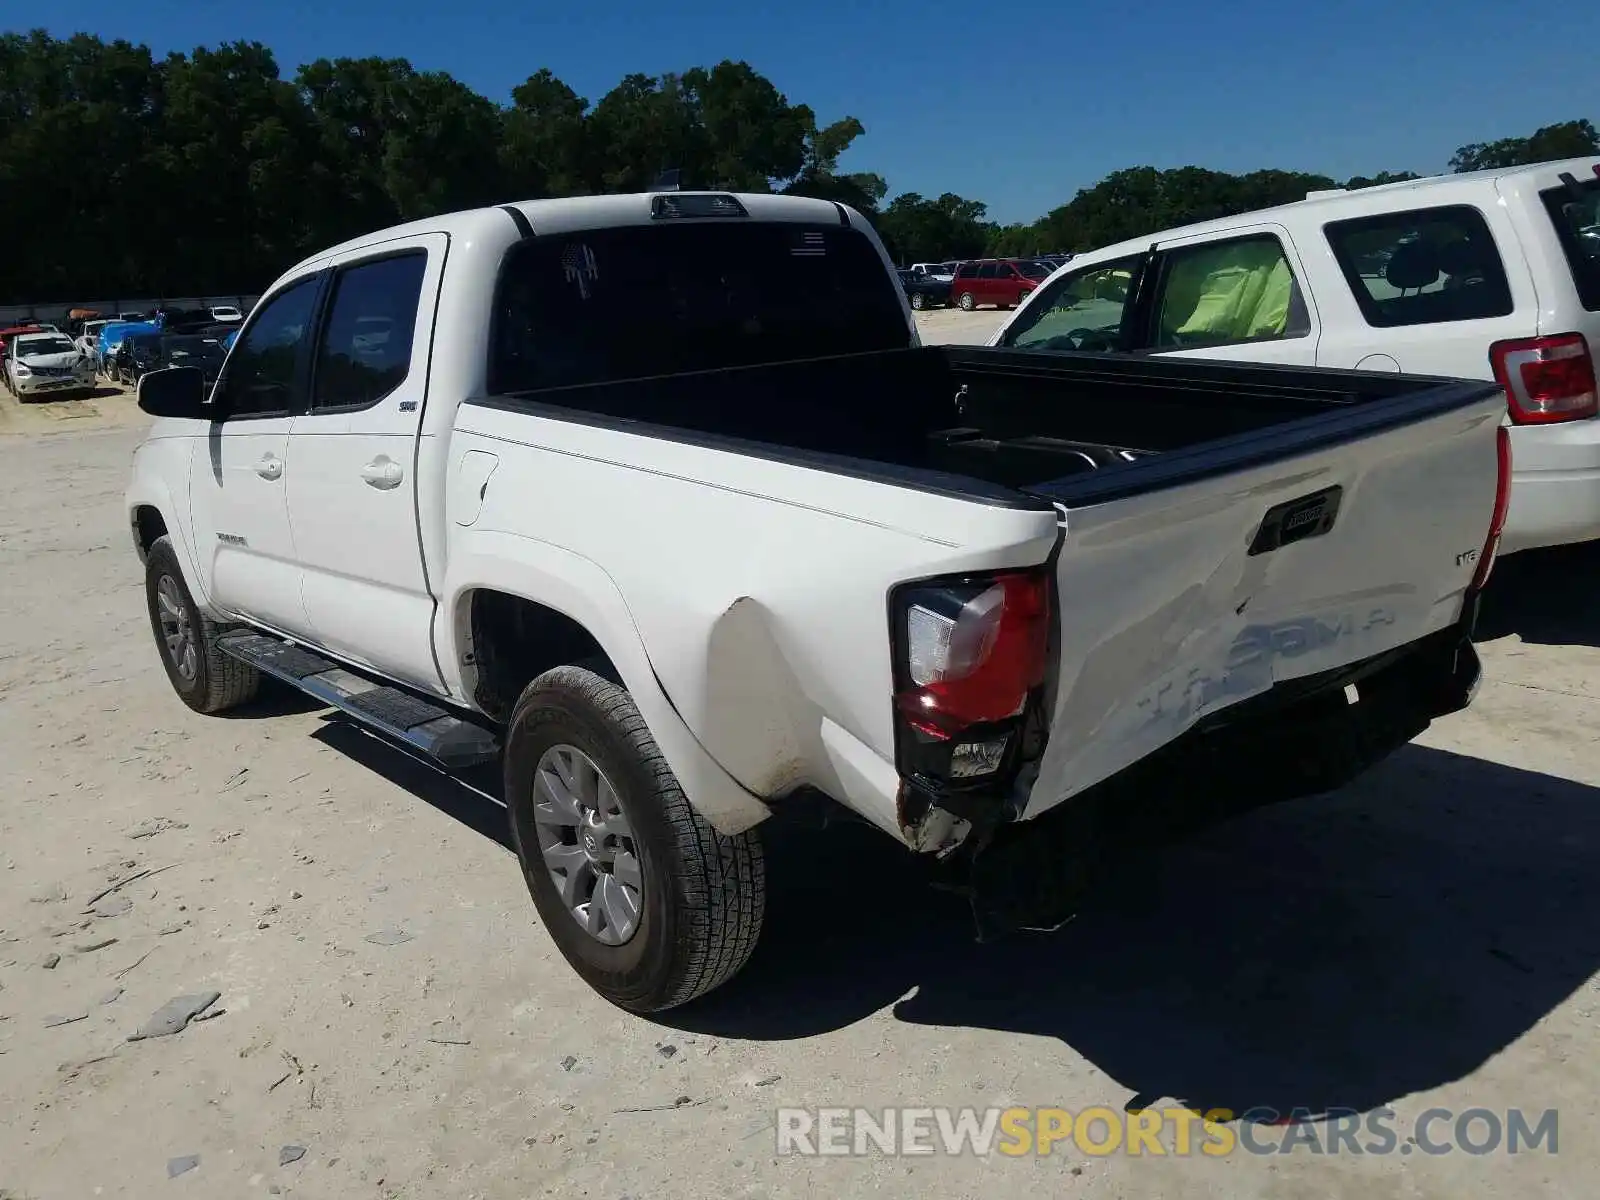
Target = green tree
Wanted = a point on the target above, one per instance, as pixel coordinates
(820, 175)
(126, 175)
(1569, 139)
(1356, 182)
(405, 143)
(917, 229)
(545, 146)
(753, 136)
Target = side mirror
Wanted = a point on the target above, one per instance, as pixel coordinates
(175, 392)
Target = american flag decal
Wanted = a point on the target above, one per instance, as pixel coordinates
(810, 245)
(579, 266)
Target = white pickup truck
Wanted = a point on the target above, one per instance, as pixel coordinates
(657, 501)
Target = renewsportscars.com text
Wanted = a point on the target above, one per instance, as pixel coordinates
(1178, 1132)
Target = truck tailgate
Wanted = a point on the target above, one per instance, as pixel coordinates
(1198, 579)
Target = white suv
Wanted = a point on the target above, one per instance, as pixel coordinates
(42, 365)
(1486, 275)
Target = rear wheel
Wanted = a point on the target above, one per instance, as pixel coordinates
(205, 678)
(967, 302)
(918, 301)
(647, 902)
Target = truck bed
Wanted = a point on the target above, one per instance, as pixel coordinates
(1218, 532)
(1012, 426)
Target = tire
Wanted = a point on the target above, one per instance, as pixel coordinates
(967, 302)
(700, 896)
(918, 301)
(205, 678)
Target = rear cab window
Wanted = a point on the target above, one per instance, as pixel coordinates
(632, 302)
(1422, 266)
(1575, 211)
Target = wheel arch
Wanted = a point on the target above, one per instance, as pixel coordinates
(501, 586)
(153, 510)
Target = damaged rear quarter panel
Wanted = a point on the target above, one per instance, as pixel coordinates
(760, 589)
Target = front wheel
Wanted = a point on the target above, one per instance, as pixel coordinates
(647, 902)
(918, 301)
(967, 302)
(205, 678)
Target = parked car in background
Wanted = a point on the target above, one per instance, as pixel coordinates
(925, 291)
(1485, 275)
(194, 350)
(137, 354)
(228, 313)
(186, 320)
(111, 338)
(88, 339)
(1002, 282)
(145, 352)
(14, 331)
(40, 365)
(943, 272)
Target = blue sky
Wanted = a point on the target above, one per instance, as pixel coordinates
(1016, 104)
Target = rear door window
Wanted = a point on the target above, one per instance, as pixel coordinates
(1575, 211)
(366, 346)
(632, 302)
(1422, 267)
(1240, 290)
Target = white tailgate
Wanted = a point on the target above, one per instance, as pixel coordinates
(1166, 616)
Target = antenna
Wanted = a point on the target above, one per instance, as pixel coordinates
(667, 181)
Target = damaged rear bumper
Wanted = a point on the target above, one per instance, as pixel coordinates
(1302, 738)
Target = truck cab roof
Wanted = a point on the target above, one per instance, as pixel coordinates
(571, 213)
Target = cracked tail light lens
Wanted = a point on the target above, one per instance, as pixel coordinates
(973, 652)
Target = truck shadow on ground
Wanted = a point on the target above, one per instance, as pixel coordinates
(469, 800)
(1543, 596)
(1343, 951)
(1336, 952)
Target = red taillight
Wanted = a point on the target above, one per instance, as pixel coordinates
(972, 652)
(1502, 503)
(1546, 378)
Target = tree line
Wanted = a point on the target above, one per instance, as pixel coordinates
(122, 172)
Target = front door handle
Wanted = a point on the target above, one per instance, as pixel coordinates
(383, 473)
(270, 466)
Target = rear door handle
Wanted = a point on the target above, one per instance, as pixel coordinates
(270, 466)
(383, 473)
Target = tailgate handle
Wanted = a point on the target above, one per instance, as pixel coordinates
(1296, 520)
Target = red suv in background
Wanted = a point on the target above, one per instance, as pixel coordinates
(1002, 282)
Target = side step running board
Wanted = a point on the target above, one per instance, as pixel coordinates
(420, 724)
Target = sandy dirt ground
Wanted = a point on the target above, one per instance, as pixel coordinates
(393, 1022)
